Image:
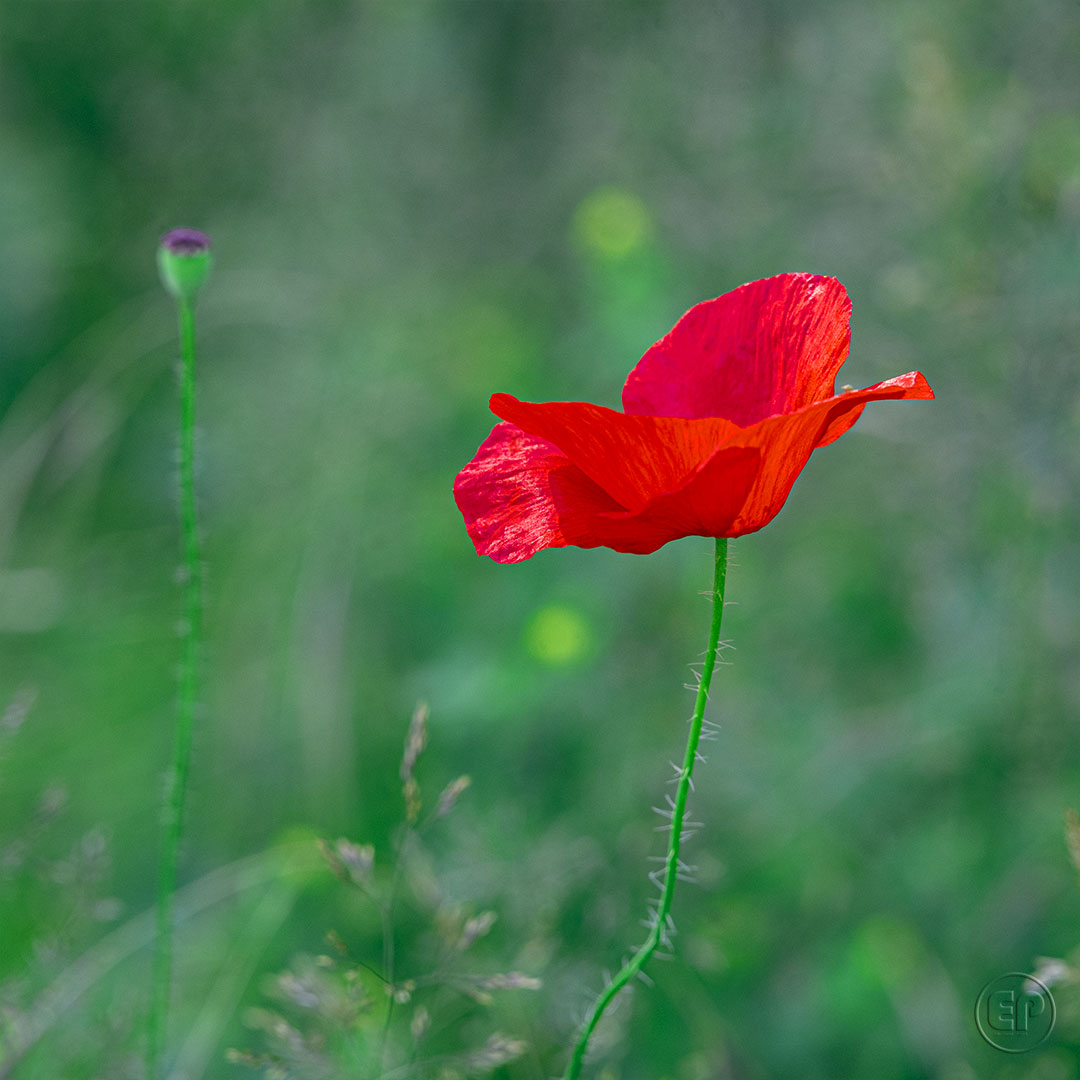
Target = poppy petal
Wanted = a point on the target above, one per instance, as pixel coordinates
(709, 507)
(841, 418)
(519, 494)
(786, 443)
(766, 348)
(635, 459)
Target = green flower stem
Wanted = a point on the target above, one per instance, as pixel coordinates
(172, 818)
(638, 961)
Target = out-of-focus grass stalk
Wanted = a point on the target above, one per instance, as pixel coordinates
(184, 262)
(234, 974)
(659, 931)
(295, 861)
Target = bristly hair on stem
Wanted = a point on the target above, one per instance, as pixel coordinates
(184, 262)
(660, 924)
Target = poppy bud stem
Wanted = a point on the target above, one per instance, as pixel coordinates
(660, 917)
(184, 249)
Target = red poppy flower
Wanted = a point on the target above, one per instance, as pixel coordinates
(720, 417)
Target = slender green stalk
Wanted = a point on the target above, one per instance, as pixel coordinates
(264, 920)
(59, 1000)
(172, 817)
(659, 930)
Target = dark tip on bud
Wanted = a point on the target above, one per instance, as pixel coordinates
(186, 242)
(184, 262)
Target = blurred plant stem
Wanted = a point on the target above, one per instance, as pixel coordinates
(172, 818)
(234, 975)
(659, 932)
(284, 863)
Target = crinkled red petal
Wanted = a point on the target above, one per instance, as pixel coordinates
(520, 494)
(710, 509)
(767, 348)
(785, 444)
(635, 459)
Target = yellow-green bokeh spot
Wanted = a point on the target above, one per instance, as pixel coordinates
(558, 635)
(612, 223)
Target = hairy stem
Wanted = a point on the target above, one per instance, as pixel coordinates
(172, 817)
(659, 930)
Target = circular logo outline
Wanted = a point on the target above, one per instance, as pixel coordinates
(989, 1037)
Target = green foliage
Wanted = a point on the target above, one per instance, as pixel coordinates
(415, 203)
(341, 1015)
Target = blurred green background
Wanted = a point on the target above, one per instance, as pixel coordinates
(415, 203)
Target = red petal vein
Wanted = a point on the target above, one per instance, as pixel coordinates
(766, 348)
(635, 459)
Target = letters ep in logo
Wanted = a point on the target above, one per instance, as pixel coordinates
(1015, 1013)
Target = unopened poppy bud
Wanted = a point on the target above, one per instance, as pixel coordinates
(184, 262)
